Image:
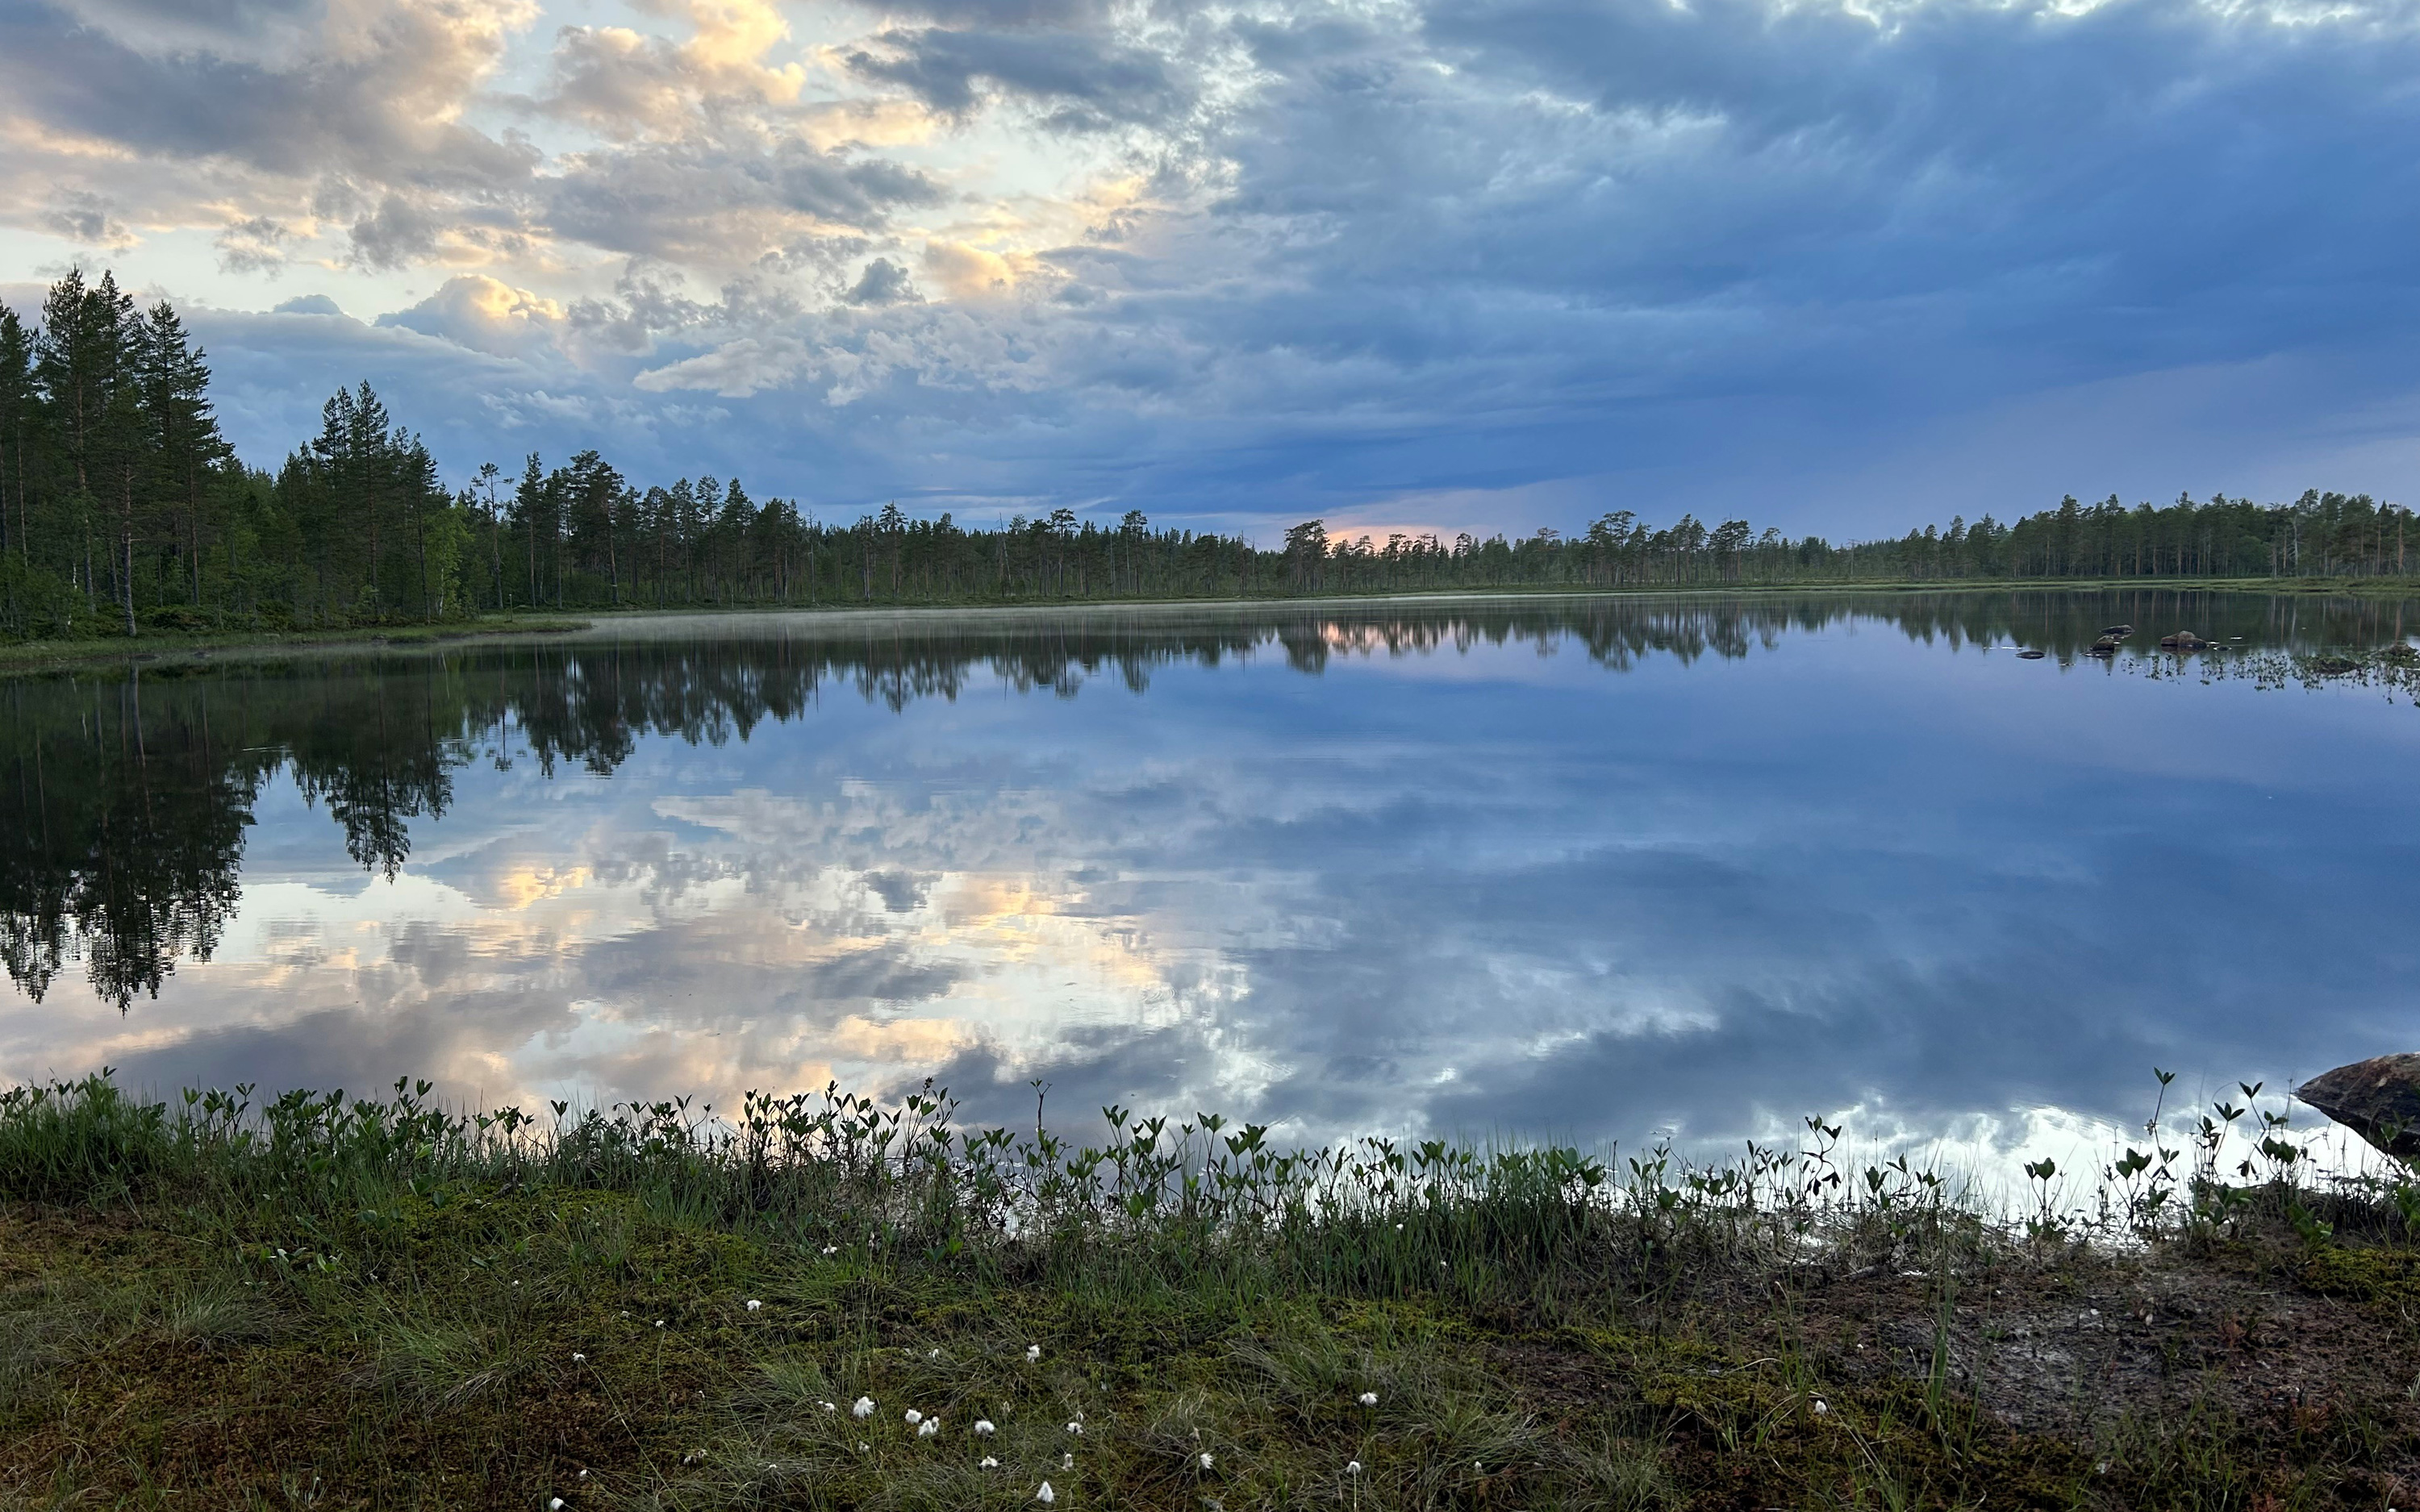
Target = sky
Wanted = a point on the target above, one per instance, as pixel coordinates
(1837, 266)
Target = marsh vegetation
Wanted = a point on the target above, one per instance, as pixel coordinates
(820, 1302)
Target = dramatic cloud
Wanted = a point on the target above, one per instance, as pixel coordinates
(1495, 262)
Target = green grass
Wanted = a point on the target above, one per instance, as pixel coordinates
(376, 1303)
(158, 643)
(172, 647)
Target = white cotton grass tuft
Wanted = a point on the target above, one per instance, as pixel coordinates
(1369, 1398)
(829, 1407)
(987, 1462)
(1822, 1407)
(983, 1428)
(579, 1359)
(755, 1306)
(1045, 1495)
(1076, 1428)
(1206, 1461)
(864, 1408)
(913, 1417)
(931, 1427)
(555, 1505)
(1066, 1462)
(1353, 1467)
(1032, 1353)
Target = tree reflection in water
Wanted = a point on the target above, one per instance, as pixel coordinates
(125, 798)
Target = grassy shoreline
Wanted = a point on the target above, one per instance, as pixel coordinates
(175, 648)
(376, 1303)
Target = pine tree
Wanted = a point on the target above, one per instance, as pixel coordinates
(81, 367)
(182, 428)
(16, 415)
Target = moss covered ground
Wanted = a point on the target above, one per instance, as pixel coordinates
(302, 1312)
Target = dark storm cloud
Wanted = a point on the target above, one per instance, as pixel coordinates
(942, 68)
(1841, 271)
(675, 199)
(1720, 246)
(84, 218)
(1000, 13)
(373, 111)
(395, 235)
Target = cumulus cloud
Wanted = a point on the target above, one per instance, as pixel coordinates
(966, 271)
(1303, 255)
(475, 311)
(883, 282)
(254, 246)
(622, 82)
(734, 370)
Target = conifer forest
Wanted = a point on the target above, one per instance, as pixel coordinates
(124, 509)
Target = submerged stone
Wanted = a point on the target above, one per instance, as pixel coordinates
(2030, 654)
(2377, 1099)
(2182, 640)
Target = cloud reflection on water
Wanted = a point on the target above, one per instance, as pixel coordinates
(1453, 883)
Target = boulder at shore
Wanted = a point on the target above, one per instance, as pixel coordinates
(2378, 1099)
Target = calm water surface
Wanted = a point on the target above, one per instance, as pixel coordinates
(1590, 868)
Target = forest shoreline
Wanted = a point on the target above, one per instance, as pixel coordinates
(382, 1304)
(171, 650)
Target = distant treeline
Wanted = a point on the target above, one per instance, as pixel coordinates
(122, 507)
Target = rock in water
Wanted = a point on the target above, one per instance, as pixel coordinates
(2378, 1099)
(2182, 640)
(2106, 646)
(2031, 655)
(2120, 631)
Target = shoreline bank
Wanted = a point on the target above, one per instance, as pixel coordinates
(387, 1304)
(177, 650)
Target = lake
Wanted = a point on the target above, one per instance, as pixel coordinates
(1595, 867)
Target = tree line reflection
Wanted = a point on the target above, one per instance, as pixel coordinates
(125, 799)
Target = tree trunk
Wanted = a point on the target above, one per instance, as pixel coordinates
(126, 544)
(420, 537)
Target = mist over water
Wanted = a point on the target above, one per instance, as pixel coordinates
(1594, 868)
